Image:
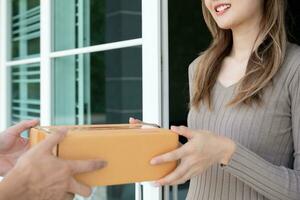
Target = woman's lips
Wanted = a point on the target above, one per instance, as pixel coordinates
(222, 8)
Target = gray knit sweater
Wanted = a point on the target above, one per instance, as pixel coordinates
(266, 164)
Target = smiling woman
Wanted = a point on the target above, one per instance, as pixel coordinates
(244, 122)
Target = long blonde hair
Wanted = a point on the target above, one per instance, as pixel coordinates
(263, 63)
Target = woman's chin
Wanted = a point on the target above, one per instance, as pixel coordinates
(224, 26)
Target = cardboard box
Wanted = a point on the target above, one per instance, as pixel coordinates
(128, 150)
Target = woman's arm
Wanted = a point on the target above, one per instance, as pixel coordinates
(204, 149)
(274, 182)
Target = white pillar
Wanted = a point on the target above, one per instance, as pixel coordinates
(151, 36)
(45, 77)
(152, 101)
(4, 73)
(165, 65)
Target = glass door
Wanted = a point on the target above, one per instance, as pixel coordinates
(71, 29)
(100, 86)
(82, 62)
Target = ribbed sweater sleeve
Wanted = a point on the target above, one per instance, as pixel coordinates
(272, 181)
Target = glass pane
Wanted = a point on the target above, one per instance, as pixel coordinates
(25, 92)
(25, 29)
(178, 193)
(97, 88)
(80, 23)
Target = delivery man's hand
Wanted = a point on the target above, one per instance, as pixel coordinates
(12, 145)
(40, 175)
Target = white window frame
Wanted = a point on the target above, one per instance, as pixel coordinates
(152, 76)
(4, 54)
(154, 71)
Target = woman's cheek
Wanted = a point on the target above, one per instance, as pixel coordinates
(208, 4)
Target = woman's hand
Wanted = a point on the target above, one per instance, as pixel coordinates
(202, 150)
(12, 145)
(134, 121)
(137, 121)
(40, 175)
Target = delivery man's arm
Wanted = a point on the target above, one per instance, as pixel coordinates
(40, 175)
(13, 145)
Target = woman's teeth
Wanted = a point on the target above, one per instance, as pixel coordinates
(222, 7)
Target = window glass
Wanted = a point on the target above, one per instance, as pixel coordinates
(98, 88)
(25, 92)
(81, 23)
(25, 29)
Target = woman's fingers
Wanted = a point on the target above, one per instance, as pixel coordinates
(134, 121)
(185, 171)
(183, 130)
(196, 170)
(179, 172)
(171, 156)
(78, 188)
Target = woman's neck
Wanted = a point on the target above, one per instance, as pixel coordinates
(245, 39)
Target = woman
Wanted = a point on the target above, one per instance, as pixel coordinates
(244, 120)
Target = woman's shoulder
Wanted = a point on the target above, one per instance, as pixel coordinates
(293, 67)
(193, 66)
(291, 64)
(292, 56)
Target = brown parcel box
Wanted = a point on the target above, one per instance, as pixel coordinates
(128, 150)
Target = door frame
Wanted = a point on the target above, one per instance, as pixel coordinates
(155, 68)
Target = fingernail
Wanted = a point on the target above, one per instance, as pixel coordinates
(131, 118)
(32, 122)
(101, 164)
(153, 162)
